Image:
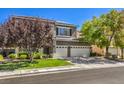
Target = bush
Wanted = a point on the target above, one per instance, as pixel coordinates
(12, 56)
(93, 54)
(23, 56)
(45, 55)
(114, 56)
(1, 58)
(37, 55)
(23, 53)
(109, 55)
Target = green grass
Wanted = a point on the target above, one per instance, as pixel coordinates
(40, 63)
(48, 63)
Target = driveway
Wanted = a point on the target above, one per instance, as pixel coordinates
(91, 60)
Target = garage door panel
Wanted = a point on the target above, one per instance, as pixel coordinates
(61, 52)
(80, 52)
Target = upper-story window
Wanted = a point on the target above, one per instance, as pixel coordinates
(62, 31)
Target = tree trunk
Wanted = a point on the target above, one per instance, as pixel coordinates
(107, 53)
(91, 50)
(107, 47)
(122, 53)
(31, 56)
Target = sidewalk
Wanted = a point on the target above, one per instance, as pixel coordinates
(74, 67)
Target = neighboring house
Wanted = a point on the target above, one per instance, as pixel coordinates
(65, 40)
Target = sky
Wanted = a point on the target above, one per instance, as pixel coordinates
(76, 16)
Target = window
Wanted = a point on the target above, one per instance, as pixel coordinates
(63, 31)
(70, 32)
(56, 31)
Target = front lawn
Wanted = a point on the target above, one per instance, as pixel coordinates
(40, 63)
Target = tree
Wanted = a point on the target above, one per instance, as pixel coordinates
(2, 36)
(112, 22)
(119, 41)
(101, 30)
(29, 34)
(87, 32)
(92, 32)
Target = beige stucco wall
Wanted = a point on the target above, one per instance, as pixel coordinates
(115, 51)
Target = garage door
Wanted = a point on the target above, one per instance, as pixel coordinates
(80, 51)
(61, 51)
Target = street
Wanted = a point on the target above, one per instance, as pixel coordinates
(113, 75)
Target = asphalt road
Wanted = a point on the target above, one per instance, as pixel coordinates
(113, 75)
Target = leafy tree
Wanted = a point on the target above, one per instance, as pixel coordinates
(2, 36)
(112, 22)
(87, 32)
(92, 32)
(29, 34)
(119, 41)
(102, 30)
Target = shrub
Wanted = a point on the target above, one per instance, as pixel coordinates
(22, 53)
(114, 56)
(37, 55)
(109, 54)
(1, 58)
(93, 54)
(99, 54)
(12, 56)
(23, 56)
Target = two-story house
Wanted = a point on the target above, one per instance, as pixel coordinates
(65, 40)
(67, 43)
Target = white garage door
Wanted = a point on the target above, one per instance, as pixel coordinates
(61, 51)
(80, 51)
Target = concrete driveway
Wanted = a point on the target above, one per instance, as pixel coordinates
(91, 60)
